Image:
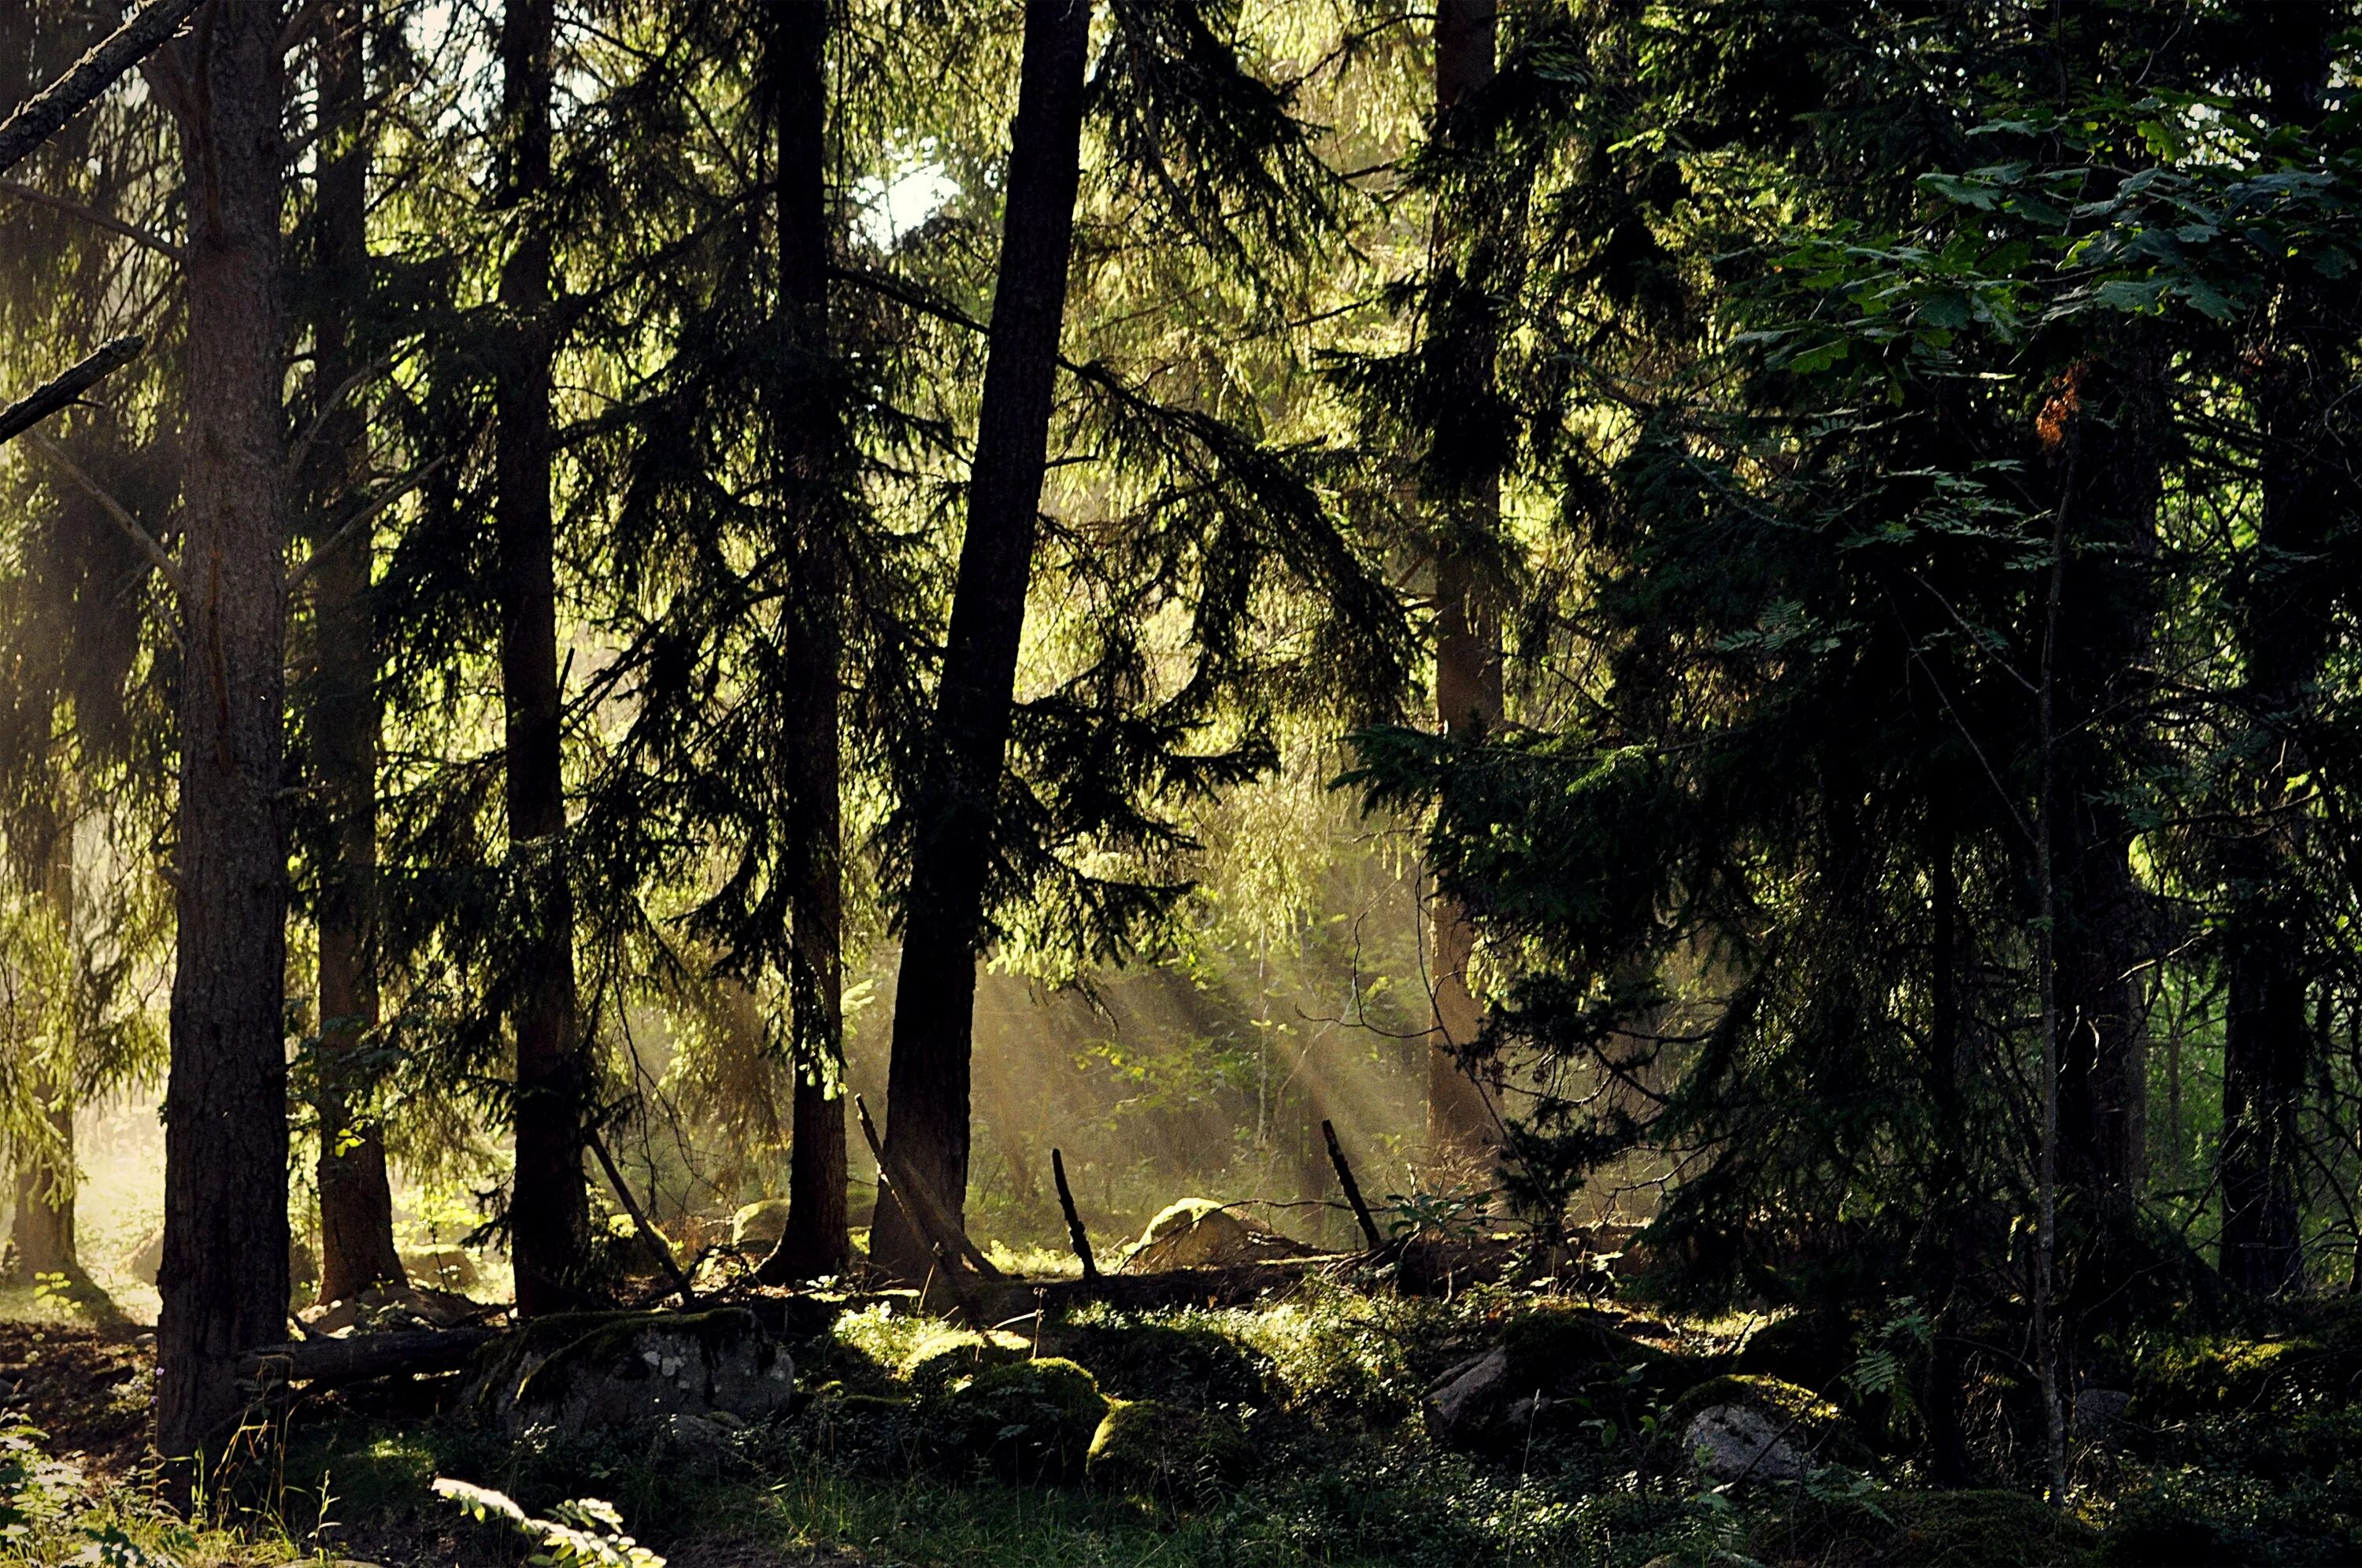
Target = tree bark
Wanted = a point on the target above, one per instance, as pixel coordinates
(1461, 1125)
(36, 121)
(2102, 682)
(224, 1275)
(43, 1232)
(2283, 608)
(549, 1203)
(356, 1248)
(943, 917)
(816, 1241)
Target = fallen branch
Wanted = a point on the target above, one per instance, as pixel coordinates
(648, 1233)
(1352, 1189)
(927, 1213)
(39, 118)
(407, 1352)
(42, 402)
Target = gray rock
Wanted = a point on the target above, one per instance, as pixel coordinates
(759, 1225)
(2098, 1410)
(1734, 1442)
(619, 1369)
(1468, 1398)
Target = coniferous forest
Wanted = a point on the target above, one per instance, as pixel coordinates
(846, 783)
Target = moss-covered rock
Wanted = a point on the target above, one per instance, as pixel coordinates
(1176, 1365)
(2222, 1373)
(1030, 1420)
(1740, 1427)
(941, 1359)
(1553, 1368)
(758, 1226)
(1812, 1349)
(1198, 1232)
(1162, 1454)
(605, 1369)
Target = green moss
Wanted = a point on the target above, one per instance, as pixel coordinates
(2204, 1376)
(1030, 1420)
(1813, 1349)
(1162, 1454)
(1812, 1422)
(942, 1357)
(1188, 1366)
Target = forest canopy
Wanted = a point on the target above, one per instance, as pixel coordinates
(681, 651)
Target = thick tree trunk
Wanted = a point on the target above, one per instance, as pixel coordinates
(356, 1248)
(549, 1212)
(934, 997)
(2284, 612)
(1461, 1124)
(817, 1240)
(224, 1277)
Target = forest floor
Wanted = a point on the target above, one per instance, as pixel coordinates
(1293, 1431)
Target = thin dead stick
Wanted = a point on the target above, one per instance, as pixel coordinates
(329, 405)
(92, 216)
(40, 116)
(1352, 1189)
(1074, 1220)
(648, 1233)
(931, 1219)
(359, 520)
(44, 401)
(156, 555)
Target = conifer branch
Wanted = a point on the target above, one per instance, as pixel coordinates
(156, 555)
(92, 216)
(41, 116)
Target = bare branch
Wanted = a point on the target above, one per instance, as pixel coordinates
(40, 118)
(359, 520)
(156, 555)
(95, 219)
(42, 402)
(335, 400)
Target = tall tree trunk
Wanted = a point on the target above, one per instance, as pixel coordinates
(934, 995)
(1461, 1124)
(356, 1248)
(2104, 648)
(42, 1234)
(224, 1277)
(2283, 613)
(817, 1240)
(549, 1213)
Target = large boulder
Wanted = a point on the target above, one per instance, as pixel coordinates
(1172, 1364)
(943, 1359)
(385, 1307)
(757, 1226)
(1747, 1428)
(615, 1369)
(1165, 1454)
(1198, 1232)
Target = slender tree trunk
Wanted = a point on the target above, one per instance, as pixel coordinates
(934, 997)
(43, 1232)
(817, 1240)
(2102, 682)
(224, 1277)
(2284, 610)
(356, 1248)
(1461, 1124)
(549, 1216)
